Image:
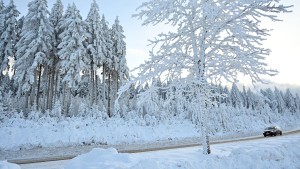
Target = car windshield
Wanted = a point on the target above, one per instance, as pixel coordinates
(270, 128)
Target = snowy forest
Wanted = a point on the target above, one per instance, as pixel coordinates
(56, 63)
(56, 60)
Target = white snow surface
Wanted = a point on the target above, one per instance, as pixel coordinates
(35, 132)
(269, 153)
(7, 165)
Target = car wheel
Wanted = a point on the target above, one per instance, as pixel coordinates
(280, 133)
(265, 135)
(275, 134)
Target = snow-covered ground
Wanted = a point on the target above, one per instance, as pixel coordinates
(19, 133)
(272, 152)
(52, 135)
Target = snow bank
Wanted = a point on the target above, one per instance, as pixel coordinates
(282, 156)
(7, 165)
(27, 134)
(20, 133)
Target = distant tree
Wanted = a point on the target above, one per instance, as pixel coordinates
(270, 98)
(244, 96)
(236, 97)
(297, 101)
(33, 50)
(227, 99)
(250, 99)
(280, 100)
(212, 40)
(290, 101)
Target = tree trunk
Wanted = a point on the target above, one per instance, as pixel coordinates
(32, 93)
(64, 99)
(56, 87)
(91, 87)
(26, 100)
(38, 87)
(51, 89)
(109, 94)
(46, 87)
(96, 88)
(69, 100)
(103, 88)
(205, 137)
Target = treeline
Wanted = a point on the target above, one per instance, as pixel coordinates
(48, 59)
(164, 99)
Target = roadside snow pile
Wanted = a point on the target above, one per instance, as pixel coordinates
(101, 158)
(7, 165)
(256, 156)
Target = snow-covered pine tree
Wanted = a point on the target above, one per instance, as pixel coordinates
(2, 22)
(55, 18)
(271, 99)
(290, 101)
(119, 70)
(33, 50)
(235, 95)
(19, 26)
(244, 96)
(212, 40)
(250, 99)
(2, 16)
(297, 101)
(227, 99)
(280, 101)
(107, 66)
(95, 46)
(119, 53)
(72, 53)
(8, 38)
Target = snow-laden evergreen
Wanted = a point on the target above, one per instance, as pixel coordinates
(107, 66)
(55, 18)
(36, 46)
(8, 38)
(95, 41)
(119, 53)
(2, 16)
(2, 27)
(33, 51)
(72, 52)
(120, 71)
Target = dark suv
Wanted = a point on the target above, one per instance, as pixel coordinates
(272, 131)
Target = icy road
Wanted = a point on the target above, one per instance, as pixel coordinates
(188, 154)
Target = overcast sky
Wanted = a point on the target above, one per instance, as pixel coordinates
(284, 41)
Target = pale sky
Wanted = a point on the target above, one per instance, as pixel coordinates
(283, 40)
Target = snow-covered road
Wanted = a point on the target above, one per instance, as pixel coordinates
(190, 154)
